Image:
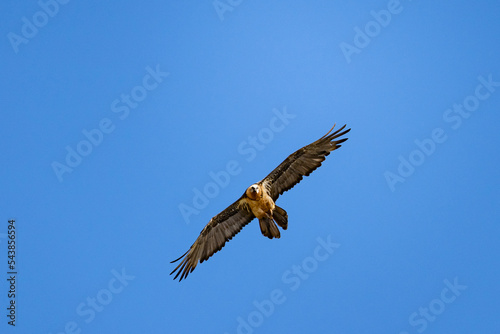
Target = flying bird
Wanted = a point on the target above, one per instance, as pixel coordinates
(258, 201)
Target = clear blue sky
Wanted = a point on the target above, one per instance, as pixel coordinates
(116, 116)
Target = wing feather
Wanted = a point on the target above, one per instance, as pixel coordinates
(302, 162)
(221, 228)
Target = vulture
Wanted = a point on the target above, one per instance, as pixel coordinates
(259, 201)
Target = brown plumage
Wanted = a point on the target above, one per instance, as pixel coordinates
(258, 201)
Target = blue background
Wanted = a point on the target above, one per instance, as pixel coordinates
(230, 70)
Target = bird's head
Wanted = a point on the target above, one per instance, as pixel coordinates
(253, 192)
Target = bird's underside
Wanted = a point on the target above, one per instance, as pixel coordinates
(258, 201)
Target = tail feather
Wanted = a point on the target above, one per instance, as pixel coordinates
(280, 217)
(269, 228)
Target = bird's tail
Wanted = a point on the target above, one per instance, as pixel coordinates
(269, 228)
(280, 217)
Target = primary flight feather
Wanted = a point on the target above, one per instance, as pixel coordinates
(258, 201)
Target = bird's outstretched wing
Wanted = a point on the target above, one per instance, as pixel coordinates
(221, 228)
(302, 163)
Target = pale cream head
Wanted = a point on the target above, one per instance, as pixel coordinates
(254, 192)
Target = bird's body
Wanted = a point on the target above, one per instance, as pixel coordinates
(262, 206)
(258, 201)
